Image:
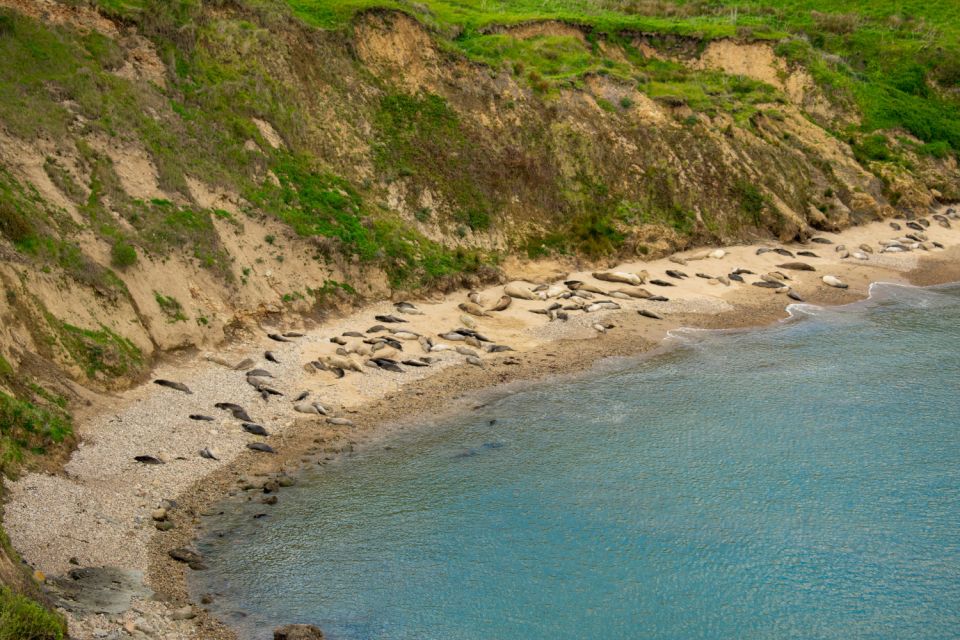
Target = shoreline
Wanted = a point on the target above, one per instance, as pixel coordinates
(307, 441)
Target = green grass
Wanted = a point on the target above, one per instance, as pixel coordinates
(170, 307)
(24, 619)
(879, 55)
(99, 352)
(27, 429)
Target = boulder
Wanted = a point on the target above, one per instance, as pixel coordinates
(297, 632)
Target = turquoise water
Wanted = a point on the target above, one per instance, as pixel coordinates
(800, 481)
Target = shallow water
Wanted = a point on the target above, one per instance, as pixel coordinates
(800, 481)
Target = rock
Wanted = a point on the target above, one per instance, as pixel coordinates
(271, 486)
(103, 590)
(286, 481)
(297, 632)
(159, 514)
(182, 554)
(269, 500)
(141, 625)
(164, 525)
(183, 613)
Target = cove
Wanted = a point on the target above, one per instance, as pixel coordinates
(796, 481)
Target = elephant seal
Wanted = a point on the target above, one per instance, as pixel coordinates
(649, 314)
(866, 248)
(784, 252)
(472, 308)
(475, 361)
(796, 266)
(519, 290)
(144, 459)
(407, 308)
(389, 319)
(679, 275)
(201, 417)
(618, 276)
(793, 295)
(735, 276)
(502, 304)
(209, 454)
(820, 240)
(261, 447)
(277, 337)
(179, 386)
(807, 254)
(895, 226)
(236, 410)
(661, 283)
(677, 260)
(254, 428)
(634, 292)
(834, 281)
(268, 355)
(768, 285)
(340, 422)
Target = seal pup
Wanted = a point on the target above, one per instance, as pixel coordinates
(735, 276)
(236, 410)
(352, 334)
(785, 253)
(913, 225)
(807, 254)
(254, 428)
(634, 292)
(465, 352)
(144, 459)
(834, 281)
(502, 304)
(472, 308)
(661, 283)
(415, 363)
(201, 417)
(268, 355)
(262, 447)
(679, 275)
(796, 266)
(208, 453)
(658, 299)
(768, 285)
(497, 348)
(303, 395)
(179, 386)
(407, 308)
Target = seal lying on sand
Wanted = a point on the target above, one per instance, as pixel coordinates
(618, 276)
(179, 386)
(502, 303)
(520, 290)
(834, 281)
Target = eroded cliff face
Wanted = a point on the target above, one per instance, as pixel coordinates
(164, 185)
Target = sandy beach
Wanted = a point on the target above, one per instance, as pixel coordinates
(102, 509)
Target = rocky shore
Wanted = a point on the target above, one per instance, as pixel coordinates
(107, 509)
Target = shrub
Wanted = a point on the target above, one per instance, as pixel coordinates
(24, 619)
(123, 254)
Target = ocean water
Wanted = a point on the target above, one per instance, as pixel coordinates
(797, 481)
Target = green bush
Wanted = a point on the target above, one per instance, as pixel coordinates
(24, 619)
(872, 148)
(123, 254)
